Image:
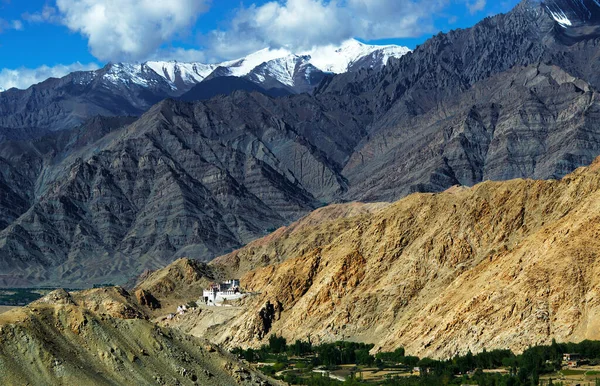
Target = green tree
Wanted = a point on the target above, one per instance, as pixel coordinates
(410, 361)
(277, 344)
(364, 358)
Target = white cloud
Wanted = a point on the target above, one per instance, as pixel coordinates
(6, 25)
(47, 14)
(129, 29)
(476, 6)
(24, 77)
(303, 24)
(138, 30)
(17, 24)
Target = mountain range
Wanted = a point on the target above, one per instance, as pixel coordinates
(500, 265)
(120, 89)
(515, 96)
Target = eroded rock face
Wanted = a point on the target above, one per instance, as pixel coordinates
(145, 298)
(529, 122)
(268, 314)
(65, 103)
(500, 265)
(185, 179)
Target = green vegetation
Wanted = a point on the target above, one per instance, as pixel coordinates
(572, 372)
(296, 364)
(192, 304)
(21, 296)
(103, 285)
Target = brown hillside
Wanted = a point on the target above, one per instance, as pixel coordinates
(317, 228)
(502, 264)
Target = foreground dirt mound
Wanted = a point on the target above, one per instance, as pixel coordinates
(101, 337)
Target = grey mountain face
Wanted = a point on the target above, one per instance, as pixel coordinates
(225, 85)
(510, 97)
(184, 179)
(530, 122)
(410, 99)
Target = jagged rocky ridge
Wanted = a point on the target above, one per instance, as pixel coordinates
(185, 179)
(507, 98)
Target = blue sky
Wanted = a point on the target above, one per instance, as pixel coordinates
(41, 38)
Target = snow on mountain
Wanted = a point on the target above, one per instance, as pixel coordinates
(126, 72)
(570, 13)
(243, 66)
(189, 73)
(293, 72)
(270, 68)
(560, 17)
(282, 69)
(340, 59)
(335, 59)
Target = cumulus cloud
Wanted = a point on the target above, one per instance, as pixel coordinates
(303, 24)
(129, 29)
(138, 30)
(17, 24)
(25, 77)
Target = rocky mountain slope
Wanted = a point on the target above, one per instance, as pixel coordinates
(531, 122)
(55, 104)
(103, 337)
(410, 99)
(225, 85)
(185, 179)
(499, 265)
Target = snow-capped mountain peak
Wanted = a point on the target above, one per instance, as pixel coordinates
(243, 66)
(283, 69)
(281, 64)
(339, 59)
(120, 72)
(335, 59)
